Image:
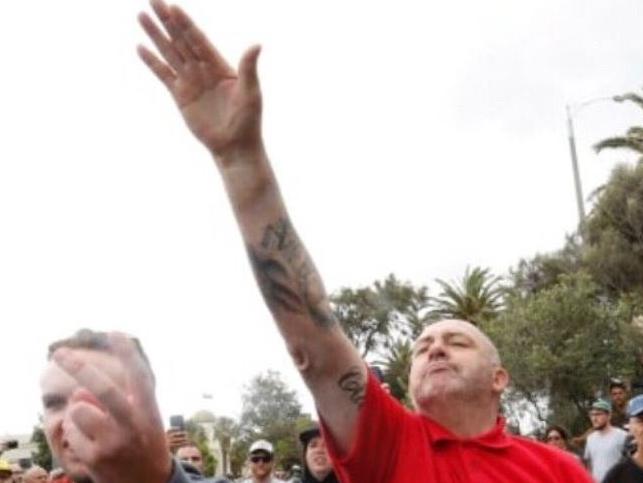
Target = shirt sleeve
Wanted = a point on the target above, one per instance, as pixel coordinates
(380, 427)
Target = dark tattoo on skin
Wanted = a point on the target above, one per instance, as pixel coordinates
(273, 282)
(286, 275)
(354, 384)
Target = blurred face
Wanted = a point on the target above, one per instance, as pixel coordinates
(260, 464)
(618, 395)
(192, 455)
(599, 418)
(57, 388)
(35, 475)
(453, 359)
(554, 438)
(317, 458)
(636, 429)
(18, 472)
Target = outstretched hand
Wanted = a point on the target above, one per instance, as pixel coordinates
(221, 106)
(114, 426)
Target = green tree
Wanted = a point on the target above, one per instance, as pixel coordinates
(197, 435)
(225, 431)
(476, 298)
(562, 344)
(633, 138)
(271, 411)
(397, 364)
(614, 232)
(374, 317)
(544, 270)
(42, 455)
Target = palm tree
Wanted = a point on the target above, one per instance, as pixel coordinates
(225, 429)
(633, 139)
(478, 297)
(397, 364)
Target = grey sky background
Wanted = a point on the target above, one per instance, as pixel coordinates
(417, 138)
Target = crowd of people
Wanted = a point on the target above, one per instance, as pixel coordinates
(260, 467)
(100, 413)
(609, 448)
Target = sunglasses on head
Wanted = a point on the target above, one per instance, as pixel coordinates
(260, 458)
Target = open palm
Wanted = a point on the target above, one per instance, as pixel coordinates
(221, 107)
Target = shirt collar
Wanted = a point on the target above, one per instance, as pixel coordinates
(496, 438)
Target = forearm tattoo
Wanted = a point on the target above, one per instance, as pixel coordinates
(354, 384)
(286, 275)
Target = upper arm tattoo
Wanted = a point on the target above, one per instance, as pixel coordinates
(354, 384)
(286, 275)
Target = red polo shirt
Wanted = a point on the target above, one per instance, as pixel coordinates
(394, 445)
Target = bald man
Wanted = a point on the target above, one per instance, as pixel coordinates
(456, 380)
(35, 474)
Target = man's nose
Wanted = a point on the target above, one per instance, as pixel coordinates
(437, 350)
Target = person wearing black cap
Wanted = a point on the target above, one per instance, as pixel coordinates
(630, 470)
(318, 467)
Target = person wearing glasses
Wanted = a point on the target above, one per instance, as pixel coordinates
(261, 460)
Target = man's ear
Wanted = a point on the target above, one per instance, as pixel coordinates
(500, 379)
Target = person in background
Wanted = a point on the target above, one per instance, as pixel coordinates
(630, 470)
(619, 396)
(605, 443)
(318, 467)
(557, 436)
(18, 472)
(35, 474)
(190, 457)
(261, 458)
(6, 473)
(296, 474)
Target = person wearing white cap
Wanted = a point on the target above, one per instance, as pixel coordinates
(630, 470)
(261, 459)
(6, 473)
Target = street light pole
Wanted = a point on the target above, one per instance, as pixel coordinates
(571, 110)
(580, 205)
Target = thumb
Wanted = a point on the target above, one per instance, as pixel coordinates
(248, 68)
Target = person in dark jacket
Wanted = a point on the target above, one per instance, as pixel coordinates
(630, 470)
(318, 467)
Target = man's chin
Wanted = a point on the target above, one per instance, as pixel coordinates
(435, 394)
(81, 479)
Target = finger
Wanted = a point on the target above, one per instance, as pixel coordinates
(248, 76)
(160, 69)
(81, 444)
(165, 15)
(139, 373)
(96, 381)
(89, 418)
(162, 43)
(200, 44)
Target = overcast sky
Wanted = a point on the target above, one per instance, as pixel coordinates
(409, 137)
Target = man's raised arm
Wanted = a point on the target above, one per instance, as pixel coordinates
(222, 107)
